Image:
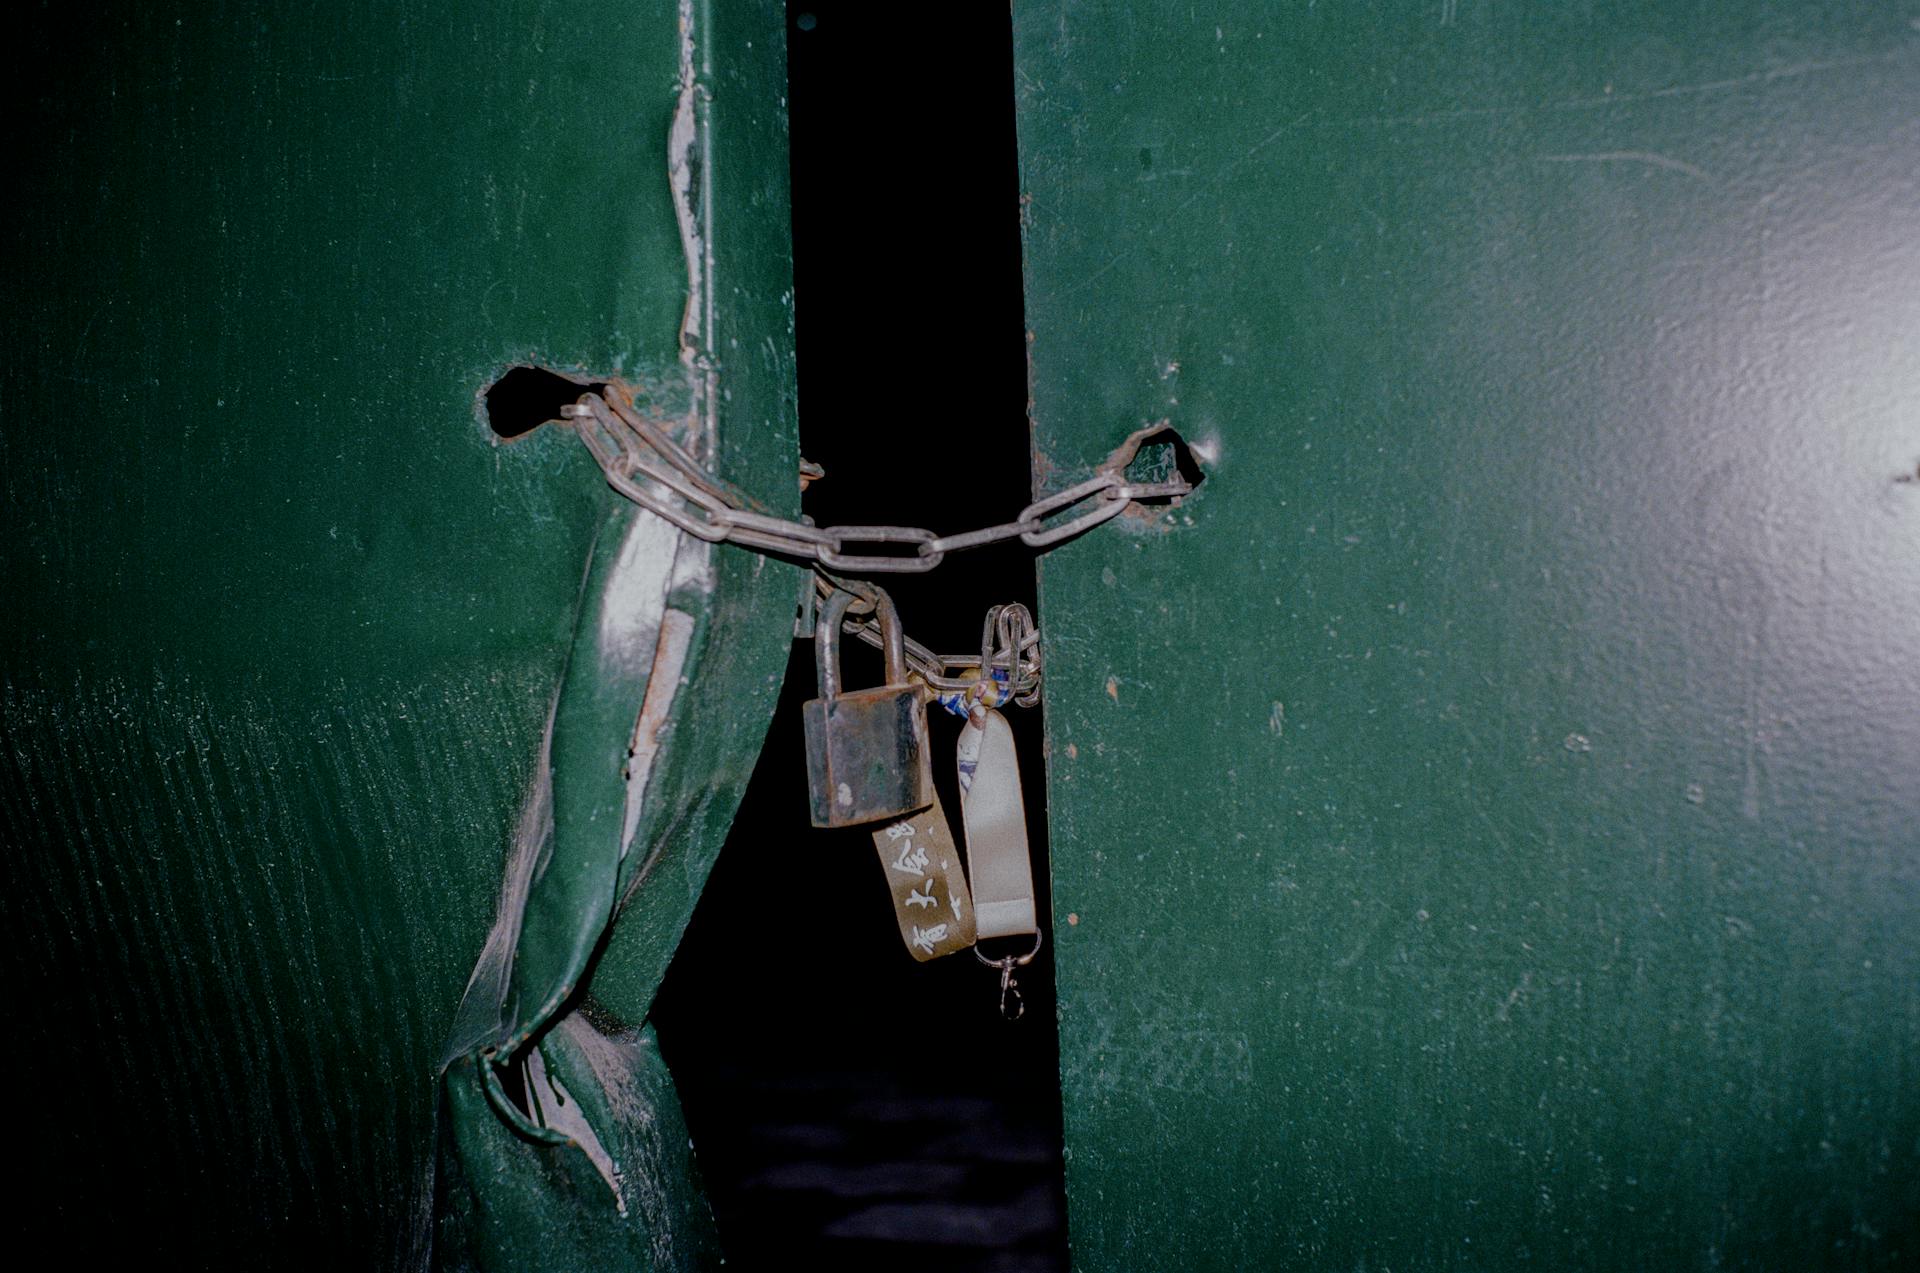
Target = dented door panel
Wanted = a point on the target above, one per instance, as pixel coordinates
(299, 654)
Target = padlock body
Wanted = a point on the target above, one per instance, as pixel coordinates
(867, 756)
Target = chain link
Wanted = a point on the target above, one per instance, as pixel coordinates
(1009, 644)
(648, 467)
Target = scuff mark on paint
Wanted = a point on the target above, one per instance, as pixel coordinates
(480, 1020)
(635, 594)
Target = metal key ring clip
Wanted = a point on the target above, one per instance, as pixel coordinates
(1008, 987)
(1012, 961)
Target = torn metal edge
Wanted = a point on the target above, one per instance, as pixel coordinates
(562, 1113)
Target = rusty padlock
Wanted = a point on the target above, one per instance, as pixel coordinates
(867, 754)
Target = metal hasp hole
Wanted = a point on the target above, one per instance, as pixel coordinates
(527, 397)
(1163, 459)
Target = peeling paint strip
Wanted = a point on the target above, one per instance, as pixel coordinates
(669, 661)
(688, 164)
(682, 174)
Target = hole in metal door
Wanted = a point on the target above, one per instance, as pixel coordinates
(846, 1102)
(525, 398)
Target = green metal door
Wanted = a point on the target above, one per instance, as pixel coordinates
(298, 652)
(1486, 817)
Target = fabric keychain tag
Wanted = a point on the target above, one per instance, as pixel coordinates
(930, 898)
(994, 814)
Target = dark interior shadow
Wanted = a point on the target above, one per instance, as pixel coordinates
(846, 1102)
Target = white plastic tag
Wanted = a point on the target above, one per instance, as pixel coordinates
(993, 813)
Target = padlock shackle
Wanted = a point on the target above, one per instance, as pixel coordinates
(893, 642)
(826, 640)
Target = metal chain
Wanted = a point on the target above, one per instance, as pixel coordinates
(644, 464)
(1010, 644)
(651, 469)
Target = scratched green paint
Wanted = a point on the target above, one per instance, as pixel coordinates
(285, 623)
(1485, 821)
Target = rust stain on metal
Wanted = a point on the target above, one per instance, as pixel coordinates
(1149, 518)
(1146, 516)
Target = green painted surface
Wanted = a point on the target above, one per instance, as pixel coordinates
(1486, 818)
(285, 623)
